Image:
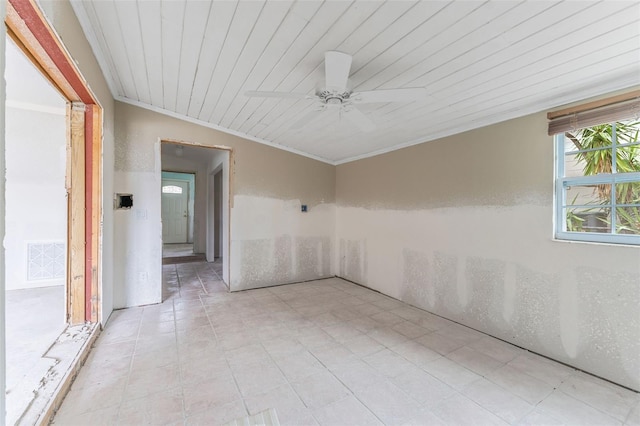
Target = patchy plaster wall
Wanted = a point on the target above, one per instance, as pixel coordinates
(61, 16)
(265, 183)
(462, 227)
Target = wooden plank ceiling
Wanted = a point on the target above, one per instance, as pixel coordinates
(481, 62)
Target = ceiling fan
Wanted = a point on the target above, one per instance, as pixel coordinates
(336, 95)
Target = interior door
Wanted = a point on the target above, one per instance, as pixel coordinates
(175, 215)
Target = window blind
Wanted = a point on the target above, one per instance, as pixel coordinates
(595, 113)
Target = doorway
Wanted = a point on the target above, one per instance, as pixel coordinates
(36, 227)
(31, 33)
(177, 201)
(202, 172)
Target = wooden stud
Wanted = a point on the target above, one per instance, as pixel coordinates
(76, 218)
(94, 120)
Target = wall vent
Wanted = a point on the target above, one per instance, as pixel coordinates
(46, 260)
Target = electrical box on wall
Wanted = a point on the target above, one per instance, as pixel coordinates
(123, 201)
(304, 208)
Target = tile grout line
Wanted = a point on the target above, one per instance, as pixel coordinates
(351, 392)
(130, 370)
(215, 335)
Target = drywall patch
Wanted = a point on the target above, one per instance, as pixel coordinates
(445, 267)
(609, 326)
(283, 262)
(569, 313)
(485, 278)
(536, 322)
(417, 286)
(255, 260)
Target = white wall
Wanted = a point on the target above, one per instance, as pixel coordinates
(463, 227)
(35, 190)
(268, 185)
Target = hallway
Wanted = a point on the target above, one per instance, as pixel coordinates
(324, 352)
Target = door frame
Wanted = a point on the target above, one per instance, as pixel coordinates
(159, 169)
(30, 30)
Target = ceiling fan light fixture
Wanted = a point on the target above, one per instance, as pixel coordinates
(335, 94)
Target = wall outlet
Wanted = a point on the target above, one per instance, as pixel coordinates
(143, 277)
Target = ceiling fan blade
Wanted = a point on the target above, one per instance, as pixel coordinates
(309, 117)
(389, 95)
(358, 118)
(257, 94)
(336, 70)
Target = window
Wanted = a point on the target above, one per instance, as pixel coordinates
(171, 189)
(598, 183)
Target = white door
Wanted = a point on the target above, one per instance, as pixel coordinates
(175, 215)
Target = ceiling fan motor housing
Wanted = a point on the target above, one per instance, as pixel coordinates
(333, 98)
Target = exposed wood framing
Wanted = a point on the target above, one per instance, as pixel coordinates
(28, 27)
(595, 104)
(93, 150)
(76, 219)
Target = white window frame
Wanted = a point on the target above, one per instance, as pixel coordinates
(563, 182)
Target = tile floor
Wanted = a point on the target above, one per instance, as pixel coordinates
(325, 352)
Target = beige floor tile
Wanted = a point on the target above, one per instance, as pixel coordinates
(634, 416)
(387, 336)
(496, 349)
(363, 345)
(319, 390)
(298, 365)
(257, 378)
(217, 415)
(451, 373)
(416, 353)
(157, 409)
(475, 361)
(388, 363)
(541, 368)
(537, 418)
(166, 357)
(283, 398)
(387, 319)
(388, 402)
(347, 411)
(613, 400)
(439, 343)
(104, 394)
(571, 411)
(357, 375)
(230, 355)
(526, 387)
(502, 403)
(424, 417)
(149, 381)
(423, 388)
(459, 410)
(214, 391)
(410, 330)
(101, 417)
